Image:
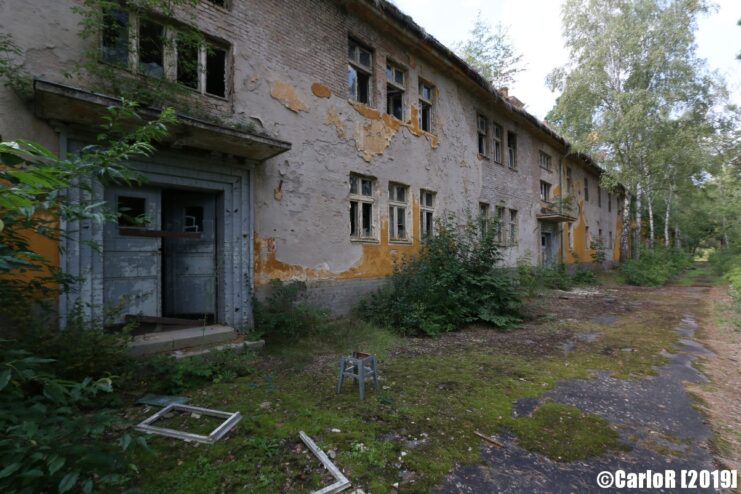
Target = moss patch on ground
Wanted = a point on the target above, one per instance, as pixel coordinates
(422, 419)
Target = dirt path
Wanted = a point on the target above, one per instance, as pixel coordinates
(655, 417)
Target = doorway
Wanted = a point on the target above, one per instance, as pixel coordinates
(546, 248)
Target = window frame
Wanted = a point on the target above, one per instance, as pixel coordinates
(569, 180)
(358, 66)
(599, 196)
(396, 68)
(512, 150)
(513, 233)
(482, 135)
(395, 205)
(360, 199)
(497, 137)
(425, 102)
(499, 232)
(545, 161)
(427, 224)
(484, 217)
(609, 202)
(545, 191)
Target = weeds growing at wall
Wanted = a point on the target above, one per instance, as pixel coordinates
(655, 266)
(454, 279)
(285, 315)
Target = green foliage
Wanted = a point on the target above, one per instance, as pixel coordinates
(655, 266)
(168, 375)
(11, 73)
(50, 440)
(557, 277)
(284, 315)
(34, 187)
(453, 280)
(598, 250)
(727, 262)
(491, 53)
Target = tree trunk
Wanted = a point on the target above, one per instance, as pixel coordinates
(625, 232)
(667, 217)
(677, 240)
(637, 231)
(651, 234)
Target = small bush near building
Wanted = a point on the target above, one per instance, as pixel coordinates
(557, 277)
(655, 266)
(284, 315)
(453, 280)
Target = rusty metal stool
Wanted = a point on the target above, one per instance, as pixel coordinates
(360, 367)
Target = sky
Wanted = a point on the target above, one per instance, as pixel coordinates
(535, 30)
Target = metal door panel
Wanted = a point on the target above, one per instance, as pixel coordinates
(132, 265)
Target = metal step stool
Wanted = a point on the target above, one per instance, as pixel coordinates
(360, 367)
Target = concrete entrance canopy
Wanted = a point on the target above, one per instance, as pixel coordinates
(223, 168)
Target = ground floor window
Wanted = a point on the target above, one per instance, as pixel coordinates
(398, 207)
(426, 213)
(361, 207)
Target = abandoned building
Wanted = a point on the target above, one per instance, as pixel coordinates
(334, 146)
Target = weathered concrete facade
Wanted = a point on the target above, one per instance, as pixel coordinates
(287, 72)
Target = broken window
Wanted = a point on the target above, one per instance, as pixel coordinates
(193, 219)
(586, 189)
(599, 197)
(426, 213)
(545, 161)
(512, 150)
(187, 61)
(569, 181)
(425, 106)
(398, 197)
(361, 207)
(216, 71)
(395, 90)
(498, 143)
(131, 211)
(610, 239)
(115, 38)
(359, 70)
(609, 202)
(151, 48)
(512, 227)
(219, 3)
(500, 224)
(545, 191)
(484, 218)
(482, 127)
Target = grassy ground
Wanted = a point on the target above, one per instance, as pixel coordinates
(435, 394)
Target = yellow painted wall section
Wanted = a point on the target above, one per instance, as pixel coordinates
(45, 247)
(616, 239)
(581, 251)
(377, 259)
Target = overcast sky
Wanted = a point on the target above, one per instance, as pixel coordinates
(535, 29)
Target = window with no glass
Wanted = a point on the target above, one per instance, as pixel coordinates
(498, 143)
(426, 213)
(151, 48)
(545, 191)
(569, 180)
(484, 218)
(609, 202)
(425, 106)
(599, 196)
(131, 211)
(398, 207)
(545, 161)
(586, 189)
(359, 70)
(500, 224)
(115, 38)
(361, 207)
(512, 150)
(512, 227)
(395, 90)
(482, 127)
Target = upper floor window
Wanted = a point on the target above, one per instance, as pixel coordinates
(512, 150)
(545, 191)
(586, 189)
(359, 70)
(482, 127)
(395, 88)
(425, 106)
(599, 197)
(398, 207)
(130, 40)
(569, 180)
(609, 202)
(545, 161)
(362, 202)
(426, 213)
(498, 136)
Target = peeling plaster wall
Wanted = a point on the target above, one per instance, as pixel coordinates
(289, 76)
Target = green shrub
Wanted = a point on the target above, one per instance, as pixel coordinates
(284, 315)
(453, 280)
(727, 263)
(655, 266)
(52, 436)
(554, 277)
(168, 375)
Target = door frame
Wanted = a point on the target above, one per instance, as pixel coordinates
(81, 252)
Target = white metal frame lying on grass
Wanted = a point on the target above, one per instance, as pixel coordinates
(216, 434)
(341, 481)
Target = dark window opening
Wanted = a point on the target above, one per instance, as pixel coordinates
(188, 62)
(216, 72)
(219, 3)
(586, 190)
(353, 219)
(115, 38)
(193, 219)
(425, 116)
(151, 48)
(395, 102)
(367, 219)
(482, 126)
(512, 148)
(358, 72)
(498, 143)
(131, 211)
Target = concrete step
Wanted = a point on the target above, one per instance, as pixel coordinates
(170, 341)
(193, 352)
